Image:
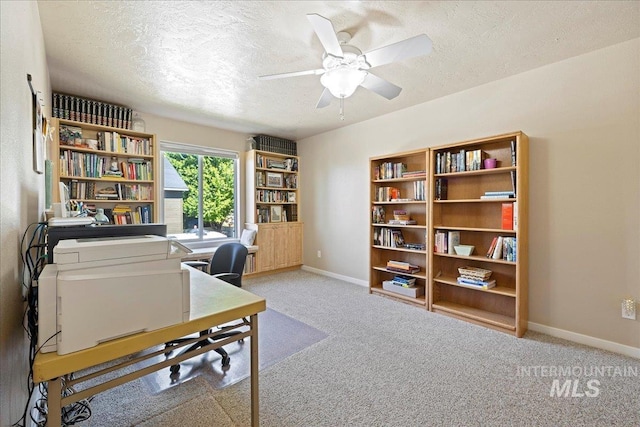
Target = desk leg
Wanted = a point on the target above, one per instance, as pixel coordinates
(54, 395)
(255, 395)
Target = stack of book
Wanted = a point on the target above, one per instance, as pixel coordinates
(402, 267)
(474, 277)
(477, 284)
(498, 195)
(405, 282)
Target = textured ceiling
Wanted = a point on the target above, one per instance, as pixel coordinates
(199, 61)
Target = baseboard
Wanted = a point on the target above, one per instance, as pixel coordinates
(586, 340)
(336, 276)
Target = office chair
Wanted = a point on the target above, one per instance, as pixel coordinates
(227, 263)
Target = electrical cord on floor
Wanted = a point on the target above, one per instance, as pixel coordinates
(34, 259)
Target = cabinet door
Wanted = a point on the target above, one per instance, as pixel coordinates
(280, 245)
(265, 254)
(294, 249)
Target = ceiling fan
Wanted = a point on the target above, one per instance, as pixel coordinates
(345, 67)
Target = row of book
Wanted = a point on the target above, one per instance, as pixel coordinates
(389, 237)
(116, 143)
(91, 165)
(85, 110)
(123, 214)
(87, 190)
(503, 247)
(441, 188)
(274, 144)
(290, 164)
(275, 196)
(444, 241)
(464, 160)
(389, 170)
(250, 264)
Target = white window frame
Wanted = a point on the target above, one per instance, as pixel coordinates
(177, 147)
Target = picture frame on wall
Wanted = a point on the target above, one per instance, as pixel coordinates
(274, 180)
(276, 213)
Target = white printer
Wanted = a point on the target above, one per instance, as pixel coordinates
(105, 288)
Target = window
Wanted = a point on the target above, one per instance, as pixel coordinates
(200, 197)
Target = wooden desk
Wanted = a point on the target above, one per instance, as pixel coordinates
(213, 303)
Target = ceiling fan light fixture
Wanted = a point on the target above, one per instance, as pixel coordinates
(343, 81)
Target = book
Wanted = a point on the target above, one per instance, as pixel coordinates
(453, 239)
(492, 247)
(497, 252)
(478, 284)
(507, 216)
(441, 189)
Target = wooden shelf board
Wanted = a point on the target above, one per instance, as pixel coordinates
(483, 316)
(419, 300)
(500, 200)
(400, 202)
(105, 179)
(276, 203)
(105, 153)
(410, 178)
(483, 230)
(477, 172)
(112, 201)
(277, 170)
(93, 126)
(399, 226)
(413, 251)
(500, 290)
(419, 275)
(476, 258)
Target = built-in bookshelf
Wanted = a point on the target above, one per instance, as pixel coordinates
(480, 200)
(272, 200)
(398, 226)
(106, 167)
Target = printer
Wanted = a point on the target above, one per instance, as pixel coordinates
(104, 288)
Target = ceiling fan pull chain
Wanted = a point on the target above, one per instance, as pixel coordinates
(341, 108)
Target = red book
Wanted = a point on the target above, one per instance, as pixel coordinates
(507, 216)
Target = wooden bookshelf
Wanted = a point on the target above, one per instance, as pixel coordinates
(82, 168)
(504, 307)
(390, 175)
(272, 201)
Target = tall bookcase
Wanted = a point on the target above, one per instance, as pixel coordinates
(85, 153)
(272, 199)
(398, 224)
(475, 203)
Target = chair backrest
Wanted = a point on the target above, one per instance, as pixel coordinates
(229, 258)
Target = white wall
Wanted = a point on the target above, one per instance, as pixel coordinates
(22, 195)
(582, 116)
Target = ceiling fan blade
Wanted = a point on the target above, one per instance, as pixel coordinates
(381, 86)
(325, 99)
(292, 74)
(325, 32)
(415, 46)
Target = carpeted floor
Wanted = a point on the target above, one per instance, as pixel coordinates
(387, 363)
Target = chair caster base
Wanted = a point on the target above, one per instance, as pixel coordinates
(174, 369)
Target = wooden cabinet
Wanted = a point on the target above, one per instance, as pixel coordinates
(279, 246)
(105, 167)
(272, 198)
(398, 224)
(481, 204)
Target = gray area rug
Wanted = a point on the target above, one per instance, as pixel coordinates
(385, 363)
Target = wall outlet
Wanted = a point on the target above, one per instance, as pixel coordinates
(629, 308)
(319, 254)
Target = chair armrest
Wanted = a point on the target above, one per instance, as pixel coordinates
(223, 276)
(202, 265)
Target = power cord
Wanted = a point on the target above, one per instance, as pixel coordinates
(34, 258)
